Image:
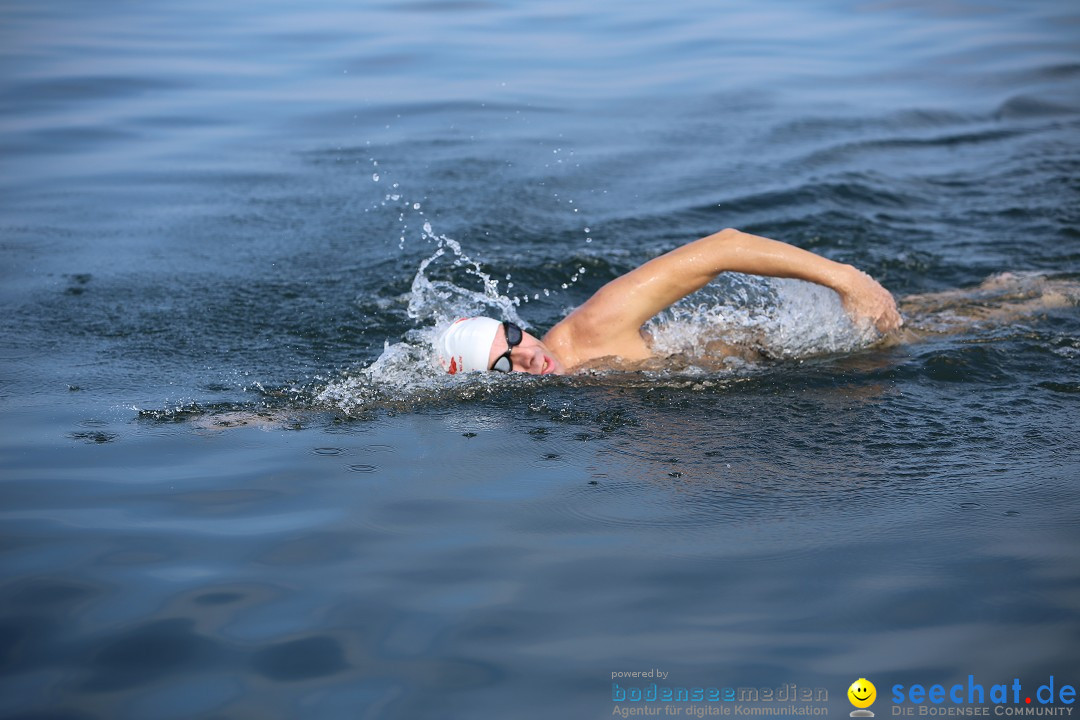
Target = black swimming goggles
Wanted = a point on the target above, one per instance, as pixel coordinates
(503, 363)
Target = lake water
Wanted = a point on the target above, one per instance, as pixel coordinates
(233, 488)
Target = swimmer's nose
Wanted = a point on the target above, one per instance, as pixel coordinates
(529, 360)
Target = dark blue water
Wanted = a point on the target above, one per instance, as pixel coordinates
(232, 489)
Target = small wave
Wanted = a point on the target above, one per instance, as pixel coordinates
(1029, 106)
(851, 189)
(812, 127)
(882, 147)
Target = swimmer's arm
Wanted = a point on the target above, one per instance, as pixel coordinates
(627, 302)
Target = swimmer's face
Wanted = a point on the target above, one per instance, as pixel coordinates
(529, 356)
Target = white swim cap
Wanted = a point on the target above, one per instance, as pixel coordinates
(466, 345)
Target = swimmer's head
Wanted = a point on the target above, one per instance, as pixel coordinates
(481, 343)
(466, 345)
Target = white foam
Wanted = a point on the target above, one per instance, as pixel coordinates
(779, 318)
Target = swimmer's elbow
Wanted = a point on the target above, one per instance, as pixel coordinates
(716, 253)
(727, 235)
(725, 242)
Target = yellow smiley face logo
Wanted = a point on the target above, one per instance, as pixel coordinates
(862, 693)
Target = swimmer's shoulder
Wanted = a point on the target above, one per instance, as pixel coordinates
(581, 337)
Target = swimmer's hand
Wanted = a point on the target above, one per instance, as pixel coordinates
(865, 299)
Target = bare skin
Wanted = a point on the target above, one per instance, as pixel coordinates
(609, 324)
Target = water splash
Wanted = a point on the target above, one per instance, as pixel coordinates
(775, 319)
(441, 301)
(750, 316)
(407, 373)
(407, 376)
(716, 332)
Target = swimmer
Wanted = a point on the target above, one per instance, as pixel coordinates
(607, 329)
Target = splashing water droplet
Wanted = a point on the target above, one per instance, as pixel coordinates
(779, 318)
(375, 177)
